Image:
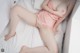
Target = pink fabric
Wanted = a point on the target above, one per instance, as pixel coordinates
(46, 18)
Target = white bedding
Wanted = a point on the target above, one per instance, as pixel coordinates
(25, 35)
(4, 11)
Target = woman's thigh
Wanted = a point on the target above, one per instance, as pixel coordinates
(48, 38)
(25, 15)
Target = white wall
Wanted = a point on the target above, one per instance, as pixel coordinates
(72, 37)
(74, 44)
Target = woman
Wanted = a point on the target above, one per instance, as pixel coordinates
(53, 12)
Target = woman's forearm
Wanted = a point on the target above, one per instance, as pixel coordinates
(46, 8)
(51, 10)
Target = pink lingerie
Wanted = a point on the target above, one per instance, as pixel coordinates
(47, 19)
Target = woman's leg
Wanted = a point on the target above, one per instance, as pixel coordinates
(48, 38)
(49, 41)
(46, 34)
(14, 20)
(18, 13)
(41, 49)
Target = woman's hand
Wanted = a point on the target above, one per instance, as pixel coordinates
(45, 6)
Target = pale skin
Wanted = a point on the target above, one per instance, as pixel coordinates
(19, 13)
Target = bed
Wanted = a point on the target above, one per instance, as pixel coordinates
(25, 34)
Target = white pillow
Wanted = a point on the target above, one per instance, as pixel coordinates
(4, 11)
(37, 4)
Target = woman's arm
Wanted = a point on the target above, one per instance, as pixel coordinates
(70, 7)
(45, 6)
(57, 12)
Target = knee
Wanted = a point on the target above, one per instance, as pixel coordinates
(54, 50)
(14, 10)
(23, 49)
